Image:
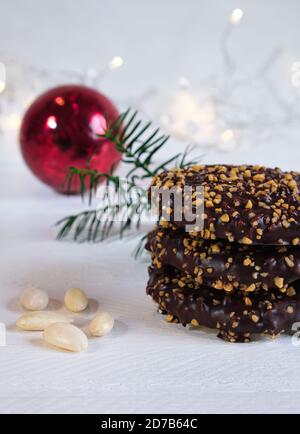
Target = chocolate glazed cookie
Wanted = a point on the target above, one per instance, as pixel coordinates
(246, 204)
(236, 316)
(227, 266)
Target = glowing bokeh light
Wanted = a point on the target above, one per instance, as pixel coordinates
(116, 62)
(236, 16)
(51, 122)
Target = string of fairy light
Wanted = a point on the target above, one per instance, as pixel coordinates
(12, 94)
(206, 113)
(230, 109)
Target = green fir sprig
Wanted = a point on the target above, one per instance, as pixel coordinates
(139, 146)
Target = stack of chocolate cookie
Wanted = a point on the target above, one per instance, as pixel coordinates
(239, 272)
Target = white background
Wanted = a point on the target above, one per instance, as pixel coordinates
(145, 365)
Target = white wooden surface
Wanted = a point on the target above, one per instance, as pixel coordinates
(145, 365)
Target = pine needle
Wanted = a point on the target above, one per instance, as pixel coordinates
(139, 145)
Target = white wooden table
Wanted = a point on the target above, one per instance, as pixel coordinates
(145, 364)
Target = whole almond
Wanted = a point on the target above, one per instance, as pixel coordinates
(34, 299)
(76, 300)
(66, 336)
(101, 324)
(38, 321)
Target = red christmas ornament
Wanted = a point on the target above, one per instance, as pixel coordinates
(61, 129)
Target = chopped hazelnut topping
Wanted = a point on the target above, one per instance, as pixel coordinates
(289, 262)
(290, 292)
(195, 323)
(225, 218)
(279, 282)
(246, 240)
(247, 262)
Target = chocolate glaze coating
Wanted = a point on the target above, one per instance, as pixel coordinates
(246, 204)
(224, 265)
(235, 316)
